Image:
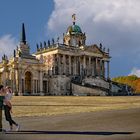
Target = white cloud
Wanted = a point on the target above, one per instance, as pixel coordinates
(135, 71)
(124, 12)
(109, 21)
(7, 45)
(114, 23)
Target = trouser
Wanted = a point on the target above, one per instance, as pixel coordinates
(8, 115)
(0, 119)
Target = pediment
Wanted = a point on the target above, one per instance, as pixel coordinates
(93, 49)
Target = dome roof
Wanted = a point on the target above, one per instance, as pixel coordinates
(74, 29)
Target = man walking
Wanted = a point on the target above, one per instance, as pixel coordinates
(2, 94)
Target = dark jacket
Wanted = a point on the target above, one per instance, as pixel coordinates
(1, 101)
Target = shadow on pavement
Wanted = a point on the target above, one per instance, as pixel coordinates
(70, 132)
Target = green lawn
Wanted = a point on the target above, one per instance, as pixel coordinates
(54, 105)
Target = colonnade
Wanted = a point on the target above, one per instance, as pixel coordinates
(80, 65)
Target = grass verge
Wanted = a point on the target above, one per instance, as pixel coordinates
(55, 105)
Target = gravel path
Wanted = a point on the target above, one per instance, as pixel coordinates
(103, 125)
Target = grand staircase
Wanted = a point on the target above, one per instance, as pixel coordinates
(89, 86)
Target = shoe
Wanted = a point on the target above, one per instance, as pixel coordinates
(2, 131)
(18, 127)
(9, 130)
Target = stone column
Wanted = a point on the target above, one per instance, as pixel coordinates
(54, 65)
(33, 86)
(84, 61)
(47, 87)
(89, 66)
(92, 66)
(64, 64)
(51, 70)
(24, 85)
(76, 63)
(101, 68)
(72, 65)
(69, 64)
(19, 82)
(14, 80)
(36, 86)
(81, 65)
(41, 82)
(84, 65)
(75, 69)
(58, 63)
(108, 70)
(96, 66)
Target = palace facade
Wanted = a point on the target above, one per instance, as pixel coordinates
(68, 68)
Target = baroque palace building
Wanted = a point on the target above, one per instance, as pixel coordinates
(68, 68)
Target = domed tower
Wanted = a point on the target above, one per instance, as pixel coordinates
(74, 36)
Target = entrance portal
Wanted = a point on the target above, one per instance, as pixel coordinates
(28, 83)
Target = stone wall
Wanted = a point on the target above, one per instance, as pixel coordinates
(59, 85)
(96, 82)
(82, 90)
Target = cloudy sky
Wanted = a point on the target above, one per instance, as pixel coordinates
(115, 24)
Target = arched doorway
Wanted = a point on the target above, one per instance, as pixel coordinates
(28, 82)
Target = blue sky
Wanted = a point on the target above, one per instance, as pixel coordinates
(33, 13)
(115, 24)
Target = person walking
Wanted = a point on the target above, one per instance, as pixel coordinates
(8, 109)
(2, 95)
